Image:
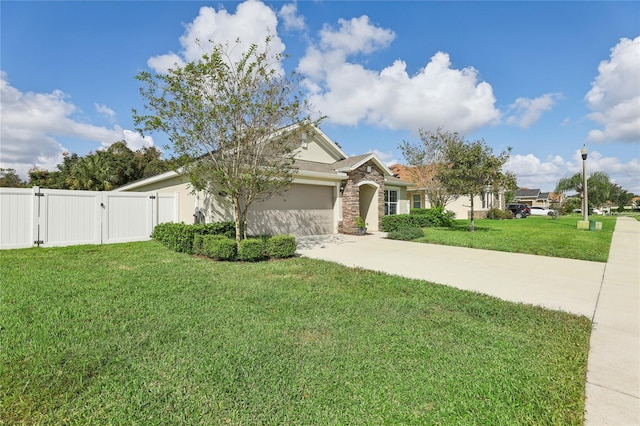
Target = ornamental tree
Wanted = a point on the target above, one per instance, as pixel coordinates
(237, 120)
(423, 158)
(471, 168)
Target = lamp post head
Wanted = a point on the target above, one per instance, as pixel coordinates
(584, 152)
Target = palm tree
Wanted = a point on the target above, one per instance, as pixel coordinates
(93, 173)
(598, 187)
(571, 183)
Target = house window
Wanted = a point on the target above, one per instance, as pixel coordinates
(390, 201)
(416, 201)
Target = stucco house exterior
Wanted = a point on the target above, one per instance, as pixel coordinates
(329, 190)
(537, 198)
(461, 206)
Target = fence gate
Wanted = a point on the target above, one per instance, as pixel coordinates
(52, 217)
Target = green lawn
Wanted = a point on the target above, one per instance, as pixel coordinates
(539, 235)
(137, 334)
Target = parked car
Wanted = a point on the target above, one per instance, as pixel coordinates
(520, 211)
(541, 211)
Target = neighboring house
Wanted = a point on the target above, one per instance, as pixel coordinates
(537, 198)
(461, 206)
(328, 192)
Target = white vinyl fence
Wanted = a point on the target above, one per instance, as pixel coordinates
(54, 217)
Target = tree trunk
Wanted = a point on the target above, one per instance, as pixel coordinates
(239, 220)
(473, 224)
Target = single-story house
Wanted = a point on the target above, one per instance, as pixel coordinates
(461, 206)
(537, 198)
(329, 190)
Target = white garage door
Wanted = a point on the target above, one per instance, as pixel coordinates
(303, 210)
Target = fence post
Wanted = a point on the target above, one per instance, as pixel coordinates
(37, 234)
(155, 210)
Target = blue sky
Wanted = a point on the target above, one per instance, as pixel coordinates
(542, 77)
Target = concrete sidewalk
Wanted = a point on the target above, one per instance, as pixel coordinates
(613, 376)
(606, 293)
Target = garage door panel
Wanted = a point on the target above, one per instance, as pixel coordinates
(300, 197)
(294, 222)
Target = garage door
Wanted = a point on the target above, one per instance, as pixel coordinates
(303, 210)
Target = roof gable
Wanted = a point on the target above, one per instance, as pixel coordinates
(352, 163)
(315, 146)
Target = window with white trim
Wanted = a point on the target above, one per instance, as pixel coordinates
(390, 201)
(417, 204)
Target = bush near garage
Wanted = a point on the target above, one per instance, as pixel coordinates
(251, 249)
(406, 234)
(499, 214)
(180, 236)
(219, 247)
(281, 246)
(425, 218)
(217, 240)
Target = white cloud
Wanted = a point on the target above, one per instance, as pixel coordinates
(348, 93)
(106, 111)
(387, 158)
(356, 35)
(524, 111)
(614, 97)
(33, 122)
(289, 15)
(535, 173)
(252, 22)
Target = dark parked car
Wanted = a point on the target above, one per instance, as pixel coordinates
(520, 211)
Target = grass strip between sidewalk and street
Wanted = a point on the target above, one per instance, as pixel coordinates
(136, 334)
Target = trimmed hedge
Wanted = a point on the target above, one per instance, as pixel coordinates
(217, 240)
(430, 218)
(281, 246)
(197, 244)
(418, 211)
(251, 250)
(498, 214)
(180, 236)
(406, 234)
(219, 247)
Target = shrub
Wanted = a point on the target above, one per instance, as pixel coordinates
(394, 222)
(430, 218)
(281, 246)
(219, 247)
(418, 211)
(251, 249)
(180, 237)
(197, 244)
(406, 234)
(498, 214)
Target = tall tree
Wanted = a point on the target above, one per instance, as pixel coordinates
(423, 158)
(471, 168)
(149, 162)
(227, 115)
(620, 196)
(599, 187)
(9, 178)
(95, 172)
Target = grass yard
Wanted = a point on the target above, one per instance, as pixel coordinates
(137, 334)
(539, 235)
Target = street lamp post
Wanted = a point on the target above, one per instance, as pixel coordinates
(585, 203)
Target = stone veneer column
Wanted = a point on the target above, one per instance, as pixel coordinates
(351, 196)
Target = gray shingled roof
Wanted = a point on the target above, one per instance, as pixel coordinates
(312, 166)
(522, 193)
